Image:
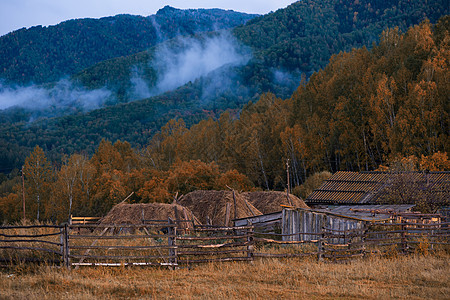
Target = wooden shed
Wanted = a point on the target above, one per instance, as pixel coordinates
(296, 223)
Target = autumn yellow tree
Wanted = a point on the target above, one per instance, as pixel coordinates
(163, 149)
(436, 162)
(37, 171)
(71, 193)
(113, 164)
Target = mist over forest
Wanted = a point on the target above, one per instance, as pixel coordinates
(174, 64)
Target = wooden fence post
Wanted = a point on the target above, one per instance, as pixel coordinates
(250, 241)
(172, 232)
(320, 245)
(431, 234)
(66, 252)
(62, 242)
(177, 219)
(363, 239)
(404, 243)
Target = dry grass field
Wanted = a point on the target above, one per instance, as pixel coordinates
(400, 277)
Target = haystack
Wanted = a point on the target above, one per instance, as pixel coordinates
(212, 206)
(125, 213)
(269, 202)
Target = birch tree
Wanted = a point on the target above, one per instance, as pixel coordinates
(37, 172)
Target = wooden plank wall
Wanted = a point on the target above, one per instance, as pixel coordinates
(264, 223)
(299, 224)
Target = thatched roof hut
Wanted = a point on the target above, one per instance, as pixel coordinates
(125, 213)
(217, 207)
(269, 202)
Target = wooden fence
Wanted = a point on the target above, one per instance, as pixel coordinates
(123, 244)
(84, 220)
(160, 243)
(32, 243)
(380, 238)
(215, 244)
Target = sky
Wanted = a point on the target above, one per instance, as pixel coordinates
(16, 14)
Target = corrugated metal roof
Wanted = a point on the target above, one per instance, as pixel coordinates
(364, 187)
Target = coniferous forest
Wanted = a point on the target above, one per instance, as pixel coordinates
(368, 90)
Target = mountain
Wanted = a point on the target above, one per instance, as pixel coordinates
(299, 39)
(283, 45)
(45, 54)
(303, 36)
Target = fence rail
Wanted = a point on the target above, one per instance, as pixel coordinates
(31, 243)
(335, 245)
(160, 244)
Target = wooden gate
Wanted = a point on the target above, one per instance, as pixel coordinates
(214, 244)
(122, 244)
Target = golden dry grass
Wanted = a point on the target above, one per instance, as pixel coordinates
(402, 277)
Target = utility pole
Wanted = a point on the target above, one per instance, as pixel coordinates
(288, 182)
(23, 194)
(287, 172)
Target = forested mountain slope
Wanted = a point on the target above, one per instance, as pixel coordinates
(45, 54)
(303, 36)
(274, 67)
(298, 39)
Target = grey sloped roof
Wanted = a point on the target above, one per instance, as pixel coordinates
(369, 212)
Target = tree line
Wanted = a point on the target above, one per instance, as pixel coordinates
(91, 186)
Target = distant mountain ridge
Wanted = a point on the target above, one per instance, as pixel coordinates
(304, 35)
(299, 39)
(45, 54)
